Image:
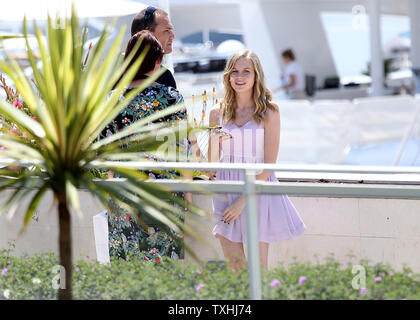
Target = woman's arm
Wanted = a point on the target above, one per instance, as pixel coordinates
(213, 152)
(292, 82)
(187, 195)
(271, 140)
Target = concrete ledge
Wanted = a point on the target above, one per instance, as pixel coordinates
(42, 233)
(381, 230)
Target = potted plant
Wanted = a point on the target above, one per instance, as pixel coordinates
(72, 101)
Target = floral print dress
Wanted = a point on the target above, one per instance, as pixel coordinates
(126, 236)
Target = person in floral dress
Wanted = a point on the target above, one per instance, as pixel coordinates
(126, 236)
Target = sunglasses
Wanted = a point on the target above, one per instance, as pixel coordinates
(148, 16)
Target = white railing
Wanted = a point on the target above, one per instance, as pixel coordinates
(365, 182)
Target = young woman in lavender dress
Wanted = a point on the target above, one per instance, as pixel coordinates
(248, 113)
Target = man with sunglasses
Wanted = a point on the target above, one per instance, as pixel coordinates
(157, 22)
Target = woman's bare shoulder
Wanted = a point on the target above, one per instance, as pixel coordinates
(274, 108)
(272, 115)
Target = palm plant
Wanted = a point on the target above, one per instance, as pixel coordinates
(73, 101)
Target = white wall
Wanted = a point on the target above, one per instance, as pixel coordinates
(298, 26)
(42, 233)
(383, 230)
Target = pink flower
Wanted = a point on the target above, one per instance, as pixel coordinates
(363, 291)
(275, 283)
(377, 279)
(199, 287)
(302, 280)
(198, 271)
(77, 269)
(17, 104)
(4, 271)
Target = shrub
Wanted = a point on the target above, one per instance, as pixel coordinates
(31, 277)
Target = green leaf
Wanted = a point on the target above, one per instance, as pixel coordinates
(24, 122)
(14, 202)
(72, 195)
(128, 130)
(32, 207)
(21, 148)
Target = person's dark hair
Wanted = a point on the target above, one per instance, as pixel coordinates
(288, 53)
(139, 24)
(154, 52)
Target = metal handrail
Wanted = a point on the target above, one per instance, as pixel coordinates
(260, 167)
(241, 166)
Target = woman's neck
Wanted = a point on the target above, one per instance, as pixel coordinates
(138, 82)
(244, 100)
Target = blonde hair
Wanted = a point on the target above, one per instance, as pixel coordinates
(261, 94)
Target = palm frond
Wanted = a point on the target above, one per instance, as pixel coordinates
(72, 195)
(23, 121)
(131, 129)
(32, 207)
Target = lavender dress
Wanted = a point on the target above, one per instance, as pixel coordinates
(277, 217)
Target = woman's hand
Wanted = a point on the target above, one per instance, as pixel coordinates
(211, 174)
(234, 210)
(188, 197)
(187, 175)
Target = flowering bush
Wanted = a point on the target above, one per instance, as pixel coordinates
(13, 96)
(32, 277)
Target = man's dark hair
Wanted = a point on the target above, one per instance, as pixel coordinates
(288, 53)
(138, 23)
(154, 52)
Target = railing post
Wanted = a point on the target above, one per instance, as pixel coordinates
(252, 236)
